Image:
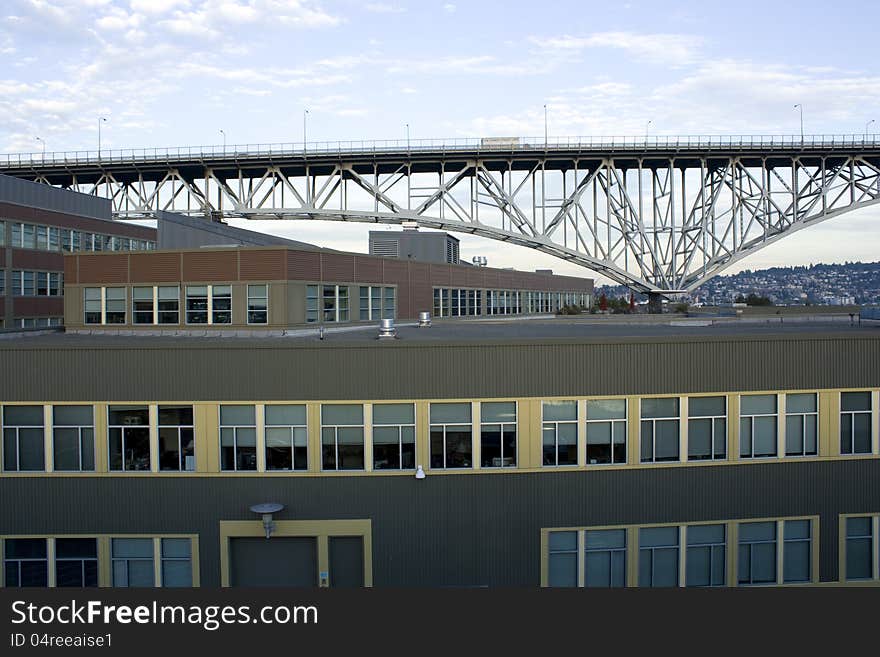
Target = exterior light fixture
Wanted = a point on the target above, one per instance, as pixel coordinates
(266, 509)
(420, 472)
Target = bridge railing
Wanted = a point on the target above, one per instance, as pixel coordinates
(436, 146)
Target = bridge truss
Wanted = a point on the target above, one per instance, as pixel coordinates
(659, 217)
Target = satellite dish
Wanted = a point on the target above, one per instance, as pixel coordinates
(267, 507)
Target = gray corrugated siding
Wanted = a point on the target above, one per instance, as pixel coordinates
(455, 529)
(245, 370)
(38, 195)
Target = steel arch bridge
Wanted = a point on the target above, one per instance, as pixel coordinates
(660, 215)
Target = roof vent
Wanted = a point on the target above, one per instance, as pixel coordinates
(386, 329)
(424, 320)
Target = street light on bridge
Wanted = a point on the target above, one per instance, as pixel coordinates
(647, 125)
(305, 114)
(222, 132)
(545, 126)
(43, 144)
(101, 120)
(801, 108)
(866, 128)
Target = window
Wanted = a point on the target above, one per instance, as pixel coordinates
(860, 553)
(25, 562)
(28, 283)
(73, 438)
(42, 233)
(498, 434)
(286, 437)
(606, 431)
(23, 448)
(441, 302)
(451, 439)
(559, 432)
(177, 562)
(658, 556)
(394, 437)
(114, 300)
(311, 303)
(796, 551)
(757, 426)
(258, 304)
(169, 304)
(92, 305)
(76, 562)
(128, 428)
(27, 237)
(2, 233)
(132, 562)
(707, 428)
(604, 558)
(142, 305)
(855, 423)
(221, 304)
(176, 439)
(376, 303)
(705, 557)
(2, 282)
(238, 437)
(757, 553)
(342, 437)
(660, 432)
(562, 559)
(801, 424)
(196, 304)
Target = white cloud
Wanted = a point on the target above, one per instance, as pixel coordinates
(156, 6)
(449, 8)
(383, 8)
(673, 49)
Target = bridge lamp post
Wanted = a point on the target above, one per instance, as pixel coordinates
(545, 126)
(407, 137)
(801, 109)
(647, 125)
(224, 140)
(866, 128)
(43, 144)
(305, 114)
(100, 121)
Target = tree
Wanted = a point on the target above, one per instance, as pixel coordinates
(603, 303)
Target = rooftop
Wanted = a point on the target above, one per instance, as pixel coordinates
(564, 330)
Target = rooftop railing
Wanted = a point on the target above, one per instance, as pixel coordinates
(693, 143)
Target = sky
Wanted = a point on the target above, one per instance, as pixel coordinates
(178, 72)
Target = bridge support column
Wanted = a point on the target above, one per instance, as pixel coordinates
(655, 302)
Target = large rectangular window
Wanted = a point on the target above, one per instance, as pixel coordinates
(73, 438)
(169, 304)
(801, 424)
(559, 429)
(658, 556)
(394, 437)
(796, 551)
(376, 303)
(860, 552)
(176, 439)
(128, 430)
(25, 562)
(114, 302)
(132, 562)
(92, 305)
(451, 435)
(312, 301)
(604, 558)
(238, 437)
(23, 446)
(258, 304)
(660, 430)
(757, 553)
(221, 304)
(705, 558)
(498, 434)
(142, 305)
(707, 428)
(562, 561)
(176, 562)
(606, 431)
(342, 437)
(76, 562)
(287, 437)
(855, 423)
(757, 426)
(196, 304)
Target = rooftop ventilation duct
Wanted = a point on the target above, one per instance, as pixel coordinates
(424, 320)
(386, 329)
